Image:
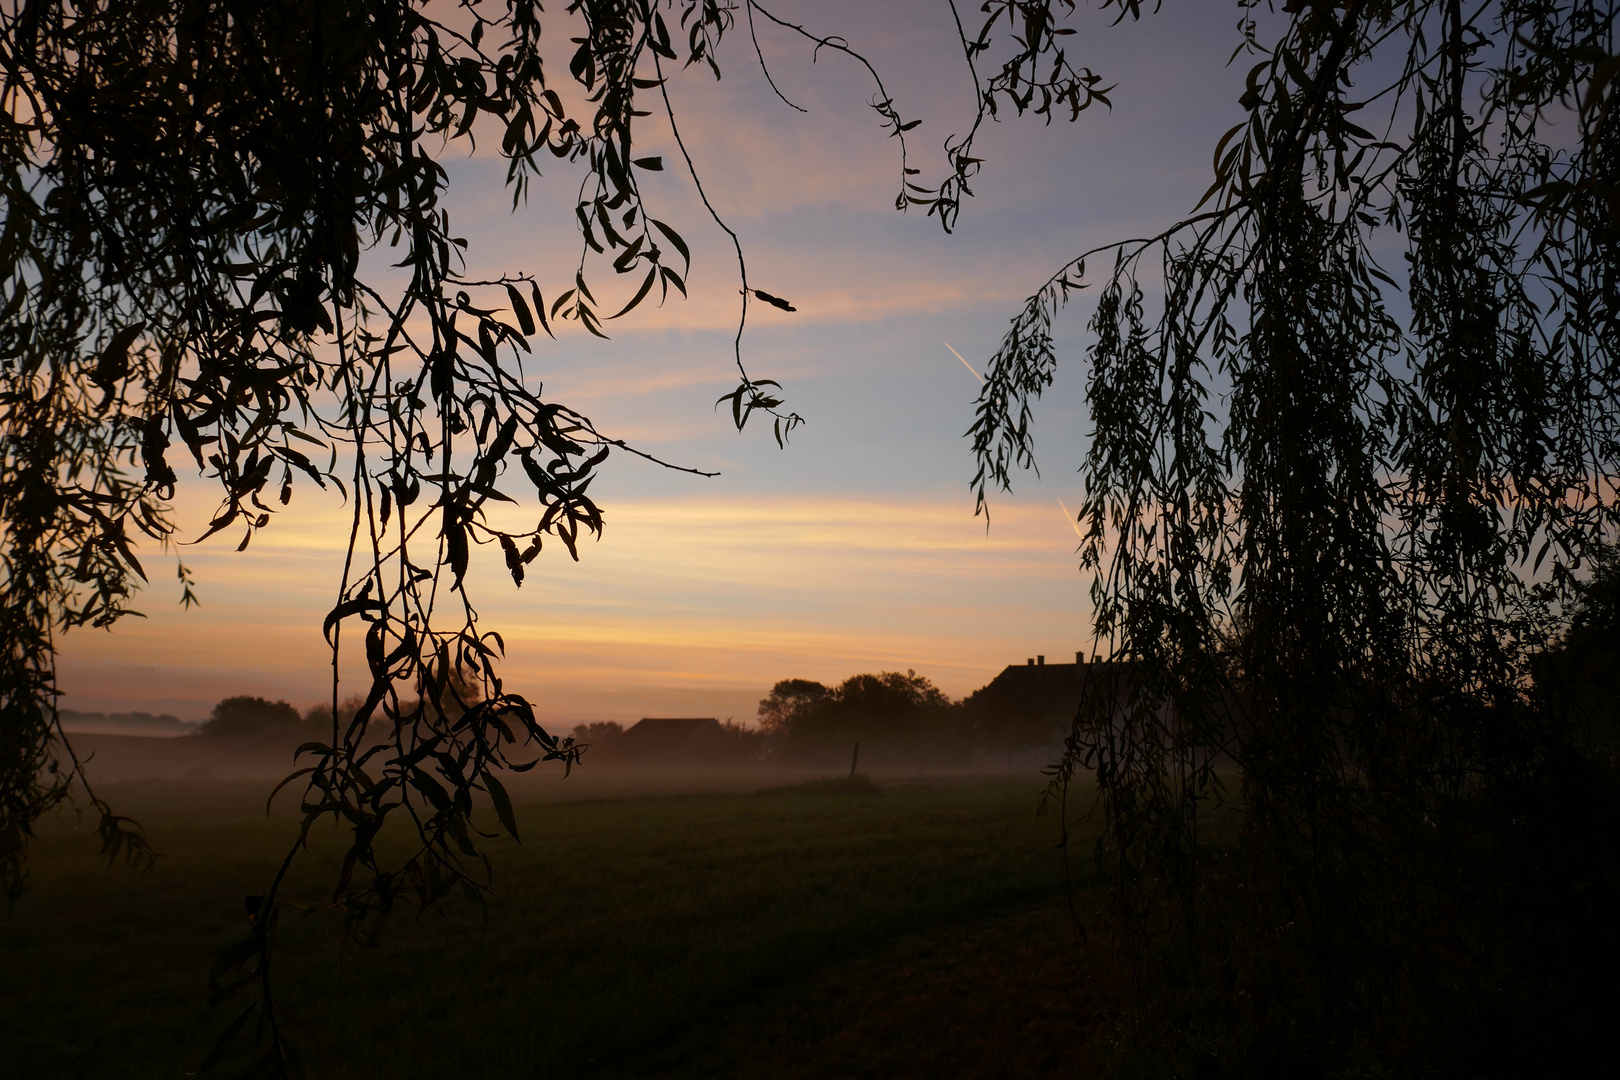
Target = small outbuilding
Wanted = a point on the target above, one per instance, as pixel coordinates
(675, 740)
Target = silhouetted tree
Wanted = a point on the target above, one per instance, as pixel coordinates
(1353, 443)
(787, 702)
(240, 716)
(898, 719)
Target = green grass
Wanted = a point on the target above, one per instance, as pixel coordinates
(652, 935)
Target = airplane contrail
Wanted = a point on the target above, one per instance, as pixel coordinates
(965, 364)
(1068, 516)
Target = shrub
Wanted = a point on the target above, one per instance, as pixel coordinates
(242, 716)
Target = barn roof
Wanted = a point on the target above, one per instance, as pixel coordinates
(666, 736)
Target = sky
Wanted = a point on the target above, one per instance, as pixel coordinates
(854, 549)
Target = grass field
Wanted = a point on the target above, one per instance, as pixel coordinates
(918, 931)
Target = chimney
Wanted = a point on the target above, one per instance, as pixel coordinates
(1079, 658)
(1030, 661)
(1041, 660)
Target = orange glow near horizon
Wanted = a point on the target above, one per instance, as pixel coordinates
(686, 604)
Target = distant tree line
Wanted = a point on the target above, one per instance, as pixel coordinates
(897, 717)
(145, 722)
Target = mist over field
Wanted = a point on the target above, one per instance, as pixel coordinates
(675, 920)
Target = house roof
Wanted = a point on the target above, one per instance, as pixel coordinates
(664, 736)
(1040, 689)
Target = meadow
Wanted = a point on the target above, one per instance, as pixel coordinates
(914, 928)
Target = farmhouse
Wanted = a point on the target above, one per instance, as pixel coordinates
(1026, 711)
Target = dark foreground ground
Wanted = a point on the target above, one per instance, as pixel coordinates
(922, 931)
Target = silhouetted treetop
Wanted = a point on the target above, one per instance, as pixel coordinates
(243, 715)
(897, 717)
(787, 701)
